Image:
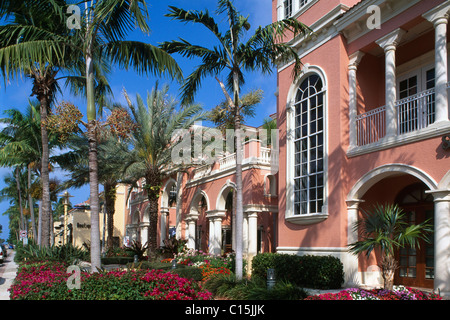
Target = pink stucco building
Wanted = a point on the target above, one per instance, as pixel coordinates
(366, 122)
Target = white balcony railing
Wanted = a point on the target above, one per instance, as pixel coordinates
(229, 161)
(371, 126)
(414, 113)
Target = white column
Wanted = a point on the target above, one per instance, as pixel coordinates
(164, 213)
(211, 236)
(252, 233)
(442, 241)
(144, 232)
(217, 235)
(351, 265)
(389, 44)
(245, 235)
(354, 60)
(191, 234)
(439, 18)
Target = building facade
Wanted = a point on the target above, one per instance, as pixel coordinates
(202, 212)
(366, 122)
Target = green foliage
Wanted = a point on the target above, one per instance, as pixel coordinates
(319, 272)
(173, 246)
(66, 253)
(137, 248)
(48, 281)
(255, 289)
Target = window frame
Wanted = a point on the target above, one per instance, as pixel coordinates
(290, 214)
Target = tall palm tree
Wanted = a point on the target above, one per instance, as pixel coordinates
(235, 55)
(112, 154)
(87, 51)
(36, 42)
(152, 143)
(20, 145)
(104, 27)
(385, 228)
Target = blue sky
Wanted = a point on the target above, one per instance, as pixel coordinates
(16, 93)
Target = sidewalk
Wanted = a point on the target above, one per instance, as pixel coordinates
(7, 274)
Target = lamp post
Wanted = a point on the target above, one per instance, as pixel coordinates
(66, 196)
(270, 278)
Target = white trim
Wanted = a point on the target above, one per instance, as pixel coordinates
(353, 24)
(433, 130)
(221, 198)
(370, 178)
(193, 207)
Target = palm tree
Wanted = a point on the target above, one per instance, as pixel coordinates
(104, 28)
(88, 53)
(152, 143)
(385, 228)
(111, 154)
(36, 42)
(259, 52)
(20, 145)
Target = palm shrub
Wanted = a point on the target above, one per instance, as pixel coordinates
(385, 228)
(157, 119)
(66, 253)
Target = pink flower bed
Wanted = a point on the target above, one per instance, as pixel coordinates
(399, 293)
(46, 280)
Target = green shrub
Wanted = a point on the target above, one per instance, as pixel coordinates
(116, 260)
(48, 281)
(66, 253)
(255, 289)
(318, 272)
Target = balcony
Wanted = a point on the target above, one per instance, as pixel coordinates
(414, 117)
(254, 154)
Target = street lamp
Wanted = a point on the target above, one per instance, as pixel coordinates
(66, 196)
(271, 279)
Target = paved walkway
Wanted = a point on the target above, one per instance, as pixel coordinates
(7, 274)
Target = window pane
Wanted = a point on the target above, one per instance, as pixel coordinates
(308, 188)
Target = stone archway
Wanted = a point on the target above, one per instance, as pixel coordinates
(198, 228)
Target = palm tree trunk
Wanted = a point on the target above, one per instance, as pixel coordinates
(93, 164)
(388, 267)
(30, 202)
(19, 196)
(153, 179)
(94, 198)
(110, 197)
(45, 176)
(239, 203)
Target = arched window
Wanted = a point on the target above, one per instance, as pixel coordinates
(309, 147)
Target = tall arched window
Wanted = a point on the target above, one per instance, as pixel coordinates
(309, 147)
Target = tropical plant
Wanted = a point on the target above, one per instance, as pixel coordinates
(385, 228)
(111, 154)
(20, 145)
(152, 143)
(103, 30)
(35, 42)
(234, 54)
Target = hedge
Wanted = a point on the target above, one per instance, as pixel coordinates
(308, 271)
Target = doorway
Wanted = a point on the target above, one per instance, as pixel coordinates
(416, 265)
